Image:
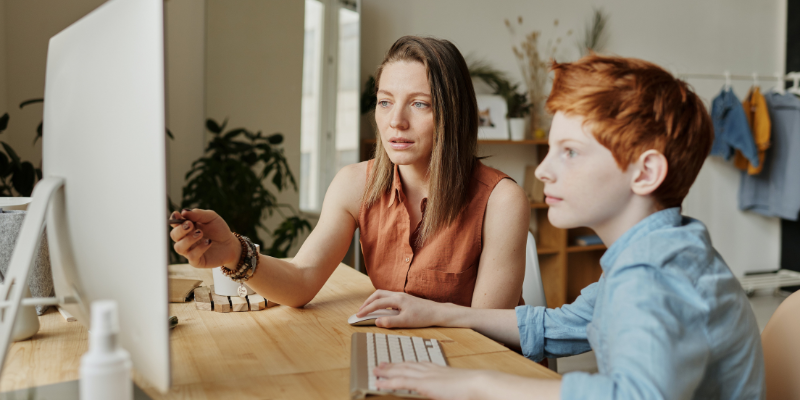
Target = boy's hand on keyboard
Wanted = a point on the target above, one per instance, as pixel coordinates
(430, 380)
(414, 311)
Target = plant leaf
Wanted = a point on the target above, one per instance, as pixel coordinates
(31, 101)
(276, 138)
(212, 126)
(38, 132)
(4, 122)
(24, 179)
(11, 153)
(5, 165)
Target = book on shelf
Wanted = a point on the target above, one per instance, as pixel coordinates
(534, 188)
(588, 240)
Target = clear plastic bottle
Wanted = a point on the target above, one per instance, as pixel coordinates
(106, 368)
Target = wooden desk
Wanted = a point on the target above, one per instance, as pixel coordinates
(277, 353)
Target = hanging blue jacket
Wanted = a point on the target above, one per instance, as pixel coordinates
(731, 130)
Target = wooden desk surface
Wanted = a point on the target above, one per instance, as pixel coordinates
(280, 352)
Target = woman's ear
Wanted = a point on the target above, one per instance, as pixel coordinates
(650, 172)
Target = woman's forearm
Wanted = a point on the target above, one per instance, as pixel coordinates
(286, 283)
(500, 325)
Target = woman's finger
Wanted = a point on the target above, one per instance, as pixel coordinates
(180, 231)
(378, 294)
(174, 215)
(397, 321)
(198, 215)
(184, 245)
(195, 254)
(380, 304)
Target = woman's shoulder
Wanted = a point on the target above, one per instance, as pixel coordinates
(487, 175)
(348, 186)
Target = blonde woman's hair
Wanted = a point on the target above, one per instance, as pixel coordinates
(455, 137)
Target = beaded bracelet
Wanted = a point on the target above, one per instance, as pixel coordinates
(248, 262)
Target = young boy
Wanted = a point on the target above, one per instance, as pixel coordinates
(667, 318)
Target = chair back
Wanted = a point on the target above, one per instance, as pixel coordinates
(532, 287)
(781, 343)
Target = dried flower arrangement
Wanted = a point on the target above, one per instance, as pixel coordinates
(534, 66)
(594, 37)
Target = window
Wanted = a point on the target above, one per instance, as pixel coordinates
(330, 105)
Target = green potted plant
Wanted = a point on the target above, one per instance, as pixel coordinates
(516, 100)
(17, 177)
(230, 179)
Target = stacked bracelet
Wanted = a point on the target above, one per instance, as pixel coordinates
(248, 262)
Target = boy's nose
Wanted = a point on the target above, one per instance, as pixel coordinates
(543, 172)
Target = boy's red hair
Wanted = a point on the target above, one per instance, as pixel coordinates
(633, 106)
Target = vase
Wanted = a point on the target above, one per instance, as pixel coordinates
(225, 286)
(516, 128)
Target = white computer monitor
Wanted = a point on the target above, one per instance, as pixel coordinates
(104, 184)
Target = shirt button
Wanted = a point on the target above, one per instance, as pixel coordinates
(406, 259)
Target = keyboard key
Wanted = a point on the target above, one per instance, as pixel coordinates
(382, 350)
(408, 349)
(435, 353)
(394, 349)
(421, 350)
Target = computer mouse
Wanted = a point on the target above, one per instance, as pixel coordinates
(370, 318)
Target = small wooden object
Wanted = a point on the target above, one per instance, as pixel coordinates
(221, 303)
(205, 299)
(238, 303)
(256, 302)
(534, 188)
(202, 298)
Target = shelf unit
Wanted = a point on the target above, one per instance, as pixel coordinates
(566, 267)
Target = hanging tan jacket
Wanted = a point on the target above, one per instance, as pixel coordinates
(755, 109)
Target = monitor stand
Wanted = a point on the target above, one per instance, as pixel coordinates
(59, 391)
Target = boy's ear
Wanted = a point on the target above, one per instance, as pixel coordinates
(650, 170)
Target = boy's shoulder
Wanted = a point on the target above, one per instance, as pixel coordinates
(682, 249)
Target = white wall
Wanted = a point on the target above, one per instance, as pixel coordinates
(681, 35)
(28, 26)
(185, 32)
(24, 34)
(3, 106)
(254, 63)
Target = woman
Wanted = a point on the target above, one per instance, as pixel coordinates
(435, 222)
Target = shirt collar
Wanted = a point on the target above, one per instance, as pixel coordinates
(397, 188)
(655, 221)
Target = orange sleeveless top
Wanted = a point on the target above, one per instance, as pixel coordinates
(445, 268)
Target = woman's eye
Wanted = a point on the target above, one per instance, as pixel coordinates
(419, 104)
(383, 103)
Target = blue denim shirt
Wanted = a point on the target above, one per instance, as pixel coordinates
(667, 320)
(731, 129)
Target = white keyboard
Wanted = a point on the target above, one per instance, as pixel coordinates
(372, 349)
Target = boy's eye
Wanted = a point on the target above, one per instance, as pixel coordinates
(570, 153)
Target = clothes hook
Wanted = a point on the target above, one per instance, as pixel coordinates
(780, 82)
(727, 75)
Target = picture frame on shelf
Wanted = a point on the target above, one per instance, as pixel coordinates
(492, 123)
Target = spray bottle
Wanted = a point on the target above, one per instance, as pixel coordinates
(105, 371)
